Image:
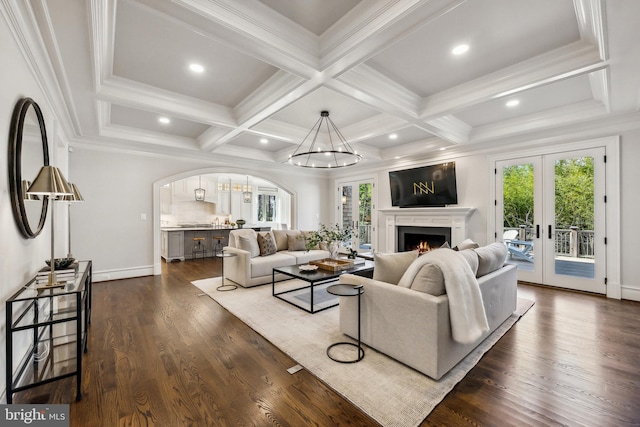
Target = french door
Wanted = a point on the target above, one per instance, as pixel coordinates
(550, 212)
(355, 208)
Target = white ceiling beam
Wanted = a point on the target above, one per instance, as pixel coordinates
(261, 32)
(549, 119)
(568, 61)
(378, 27)
(128, 93)
(148, 137)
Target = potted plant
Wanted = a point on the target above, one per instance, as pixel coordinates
(332, 237)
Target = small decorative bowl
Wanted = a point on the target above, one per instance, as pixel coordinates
(308, 268)
(60, 263)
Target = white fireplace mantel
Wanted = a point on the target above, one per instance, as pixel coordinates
(456, 218)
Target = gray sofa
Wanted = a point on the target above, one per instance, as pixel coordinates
(412, 325)
(252, 265)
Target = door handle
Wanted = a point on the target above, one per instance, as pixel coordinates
(549, 231)
(537, 231)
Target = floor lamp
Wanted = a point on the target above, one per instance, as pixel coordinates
(51, 183)
(70, 199)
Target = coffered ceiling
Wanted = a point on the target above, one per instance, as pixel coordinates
(383, 69)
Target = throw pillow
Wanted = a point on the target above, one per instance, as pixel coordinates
(281, 239)
(267, 244)
(467, 244)
(472, 259)
(249, 244)
(390, 267)
(429, 279)
(491, 258)
(424, 276)
(296, 242)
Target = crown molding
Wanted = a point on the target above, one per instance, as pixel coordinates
(380, 124)
(23, 25)
(592, 24)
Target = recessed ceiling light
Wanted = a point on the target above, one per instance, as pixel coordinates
(443, 148)
(264, 140)
(164, 120)
(513, 103)
(196, 68)
(393, 136)
(460, 49)
(396, 157)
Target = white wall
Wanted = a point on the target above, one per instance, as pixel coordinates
(21, 258)
(630, 214)
(118, 188)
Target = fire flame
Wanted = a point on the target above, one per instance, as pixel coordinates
(423, 247)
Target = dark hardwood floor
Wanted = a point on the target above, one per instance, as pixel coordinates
(161, 355)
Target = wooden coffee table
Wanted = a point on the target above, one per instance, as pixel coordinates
(315, 280)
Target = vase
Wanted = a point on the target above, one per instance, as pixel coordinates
(334, 247)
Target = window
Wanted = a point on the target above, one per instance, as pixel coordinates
(267, 207)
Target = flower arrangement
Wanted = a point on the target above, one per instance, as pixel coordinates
(331, 236)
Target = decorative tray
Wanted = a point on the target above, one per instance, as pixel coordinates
(333, 264)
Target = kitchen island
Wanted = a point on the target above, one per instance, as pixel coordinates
(177, 243)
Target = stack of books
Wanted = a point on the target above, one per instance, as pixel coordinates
(67, 274)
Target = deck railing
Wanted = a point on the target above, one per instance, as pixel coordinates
(570, 242)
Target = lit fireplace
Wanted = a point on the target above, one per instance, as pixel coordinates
(422, 239)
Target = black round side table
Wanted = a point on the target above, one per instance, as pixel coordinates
(347, 291)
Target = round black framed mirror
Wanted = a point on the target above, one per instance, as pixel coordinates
(28, 152)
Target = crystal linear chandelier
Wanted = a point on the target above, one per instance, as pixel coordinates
(333, 152)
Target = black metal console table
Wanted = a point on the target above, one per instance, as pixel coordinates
(53, 324)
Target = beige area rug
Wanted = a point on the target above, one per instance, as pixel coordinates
(388, 391)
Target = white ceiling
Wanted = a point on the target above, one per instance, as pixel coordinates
(379, 67)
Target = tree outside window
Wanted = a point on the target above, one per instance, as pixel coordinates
(267, 207)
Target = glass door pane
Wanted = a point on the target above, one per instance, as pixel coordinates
(575, 249)
(355, 207)
(574, 202)
(518, 202)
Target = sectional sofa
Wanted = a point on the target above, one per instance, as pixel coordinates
(408, 318)
(258, 253)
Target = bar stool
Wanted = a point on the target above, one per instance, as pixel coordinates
(198, 247)
(218, 246)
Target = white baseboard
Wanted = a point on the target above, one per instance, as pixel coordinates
(124, 273)
(632, 294)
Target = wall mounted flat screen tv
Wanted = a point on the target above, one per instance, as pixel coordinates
(425, 186)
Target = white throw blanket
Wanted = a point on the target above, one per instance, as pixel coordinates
(466, 310)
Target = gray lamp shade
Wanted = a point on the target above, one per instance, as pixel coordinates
(50, 182)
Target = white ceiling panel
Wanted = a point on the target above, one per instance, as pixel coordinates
(140, 119)
(271, 67)
(500, 33)
(402, 136)
(548, 97)
(153, 49)
(253, 141)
